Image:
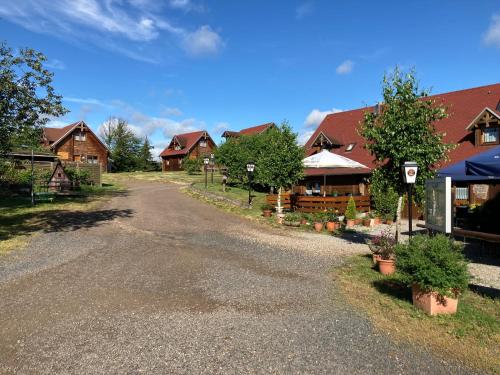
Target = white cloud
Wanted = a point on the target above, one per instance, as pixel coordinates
(492, 36)
(220, 127)
(345, 68)
(55, 123)
(304, 137)
(83, 100)
(315, 117)
(203, 41)
(171, 111)
(110, 25)
(304, 10)
(55, 64)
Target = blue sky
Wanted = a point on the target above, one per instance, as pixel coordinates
(181, 65)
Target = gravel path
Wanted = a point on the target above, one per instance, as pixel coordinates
(167, 284)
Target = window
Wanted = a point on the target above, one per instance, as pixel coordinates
(177, 148)
(490, 135)
(462, 193)
(349, 147)
(80, 136)
(92, 159)
(203, 143)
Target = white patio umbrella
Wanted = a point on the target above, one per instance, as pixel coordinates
(327, 159)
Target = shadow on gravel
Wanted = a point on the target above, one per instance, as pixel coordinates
(58, 221)
(355, 237)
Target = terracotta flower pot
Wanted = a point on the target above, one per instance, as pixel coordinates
(267, 213)
(367, 222)
(389, 221)
(386, 266)
(376, 221)
(431, 303)
(350, 223)
(358, 221)
(331, 226)
(318, 227)
(303, 222)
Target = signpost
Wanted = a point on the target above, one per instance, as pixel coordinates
(205, 162)
(410, 169)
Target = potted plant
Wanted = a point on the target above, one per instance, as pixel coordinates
(389, 219)
(383, 250)
(267, 210)
(305, 218)
(292, 219)
(376, 217)
(319, 222)
(332, 221)
(436, 270)
(350, 213)
(368, 220)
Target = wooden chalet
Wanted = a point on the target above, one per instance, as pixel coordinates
(187, 145)
(76, 143)
(473, 125)
(248, 131)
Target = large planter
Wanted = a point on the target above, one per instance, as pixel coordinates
(331, 226)
(350, 223)
(292, 223)
(267, 213)
(387, 266)
(432, 303)
(318, 227)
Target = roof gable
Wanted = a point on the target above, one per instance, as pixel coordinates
(55, 135)
(187, 141)
(249, 131)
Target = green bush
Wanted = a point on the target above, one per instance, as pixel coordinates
(78, 175)
(267, 206)
(434, 264)
(350, 212)
(192, 166)
(318, 217)
(331, 216)
(293, 217)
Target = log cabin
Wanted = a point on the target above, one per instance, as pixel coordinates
(188, 145)
(473, 125)
(253, 130)
(76, 143)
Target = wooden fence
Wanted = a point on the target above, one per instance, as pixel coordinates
(93, 169)
(304, 203)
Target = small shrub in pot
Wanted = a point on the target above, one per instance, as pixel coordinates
(436, 270)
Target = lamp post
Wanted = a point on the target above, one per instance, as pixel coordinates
(250, 170)
(212, 163)
(206, 161)
(409, 170)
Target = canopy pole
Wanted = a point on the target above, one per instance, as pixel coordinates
(324, 185)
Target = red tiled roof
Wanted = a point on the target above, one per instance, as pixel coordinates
(463, 106)
(187, 141)
(249, 131)
(53, 134)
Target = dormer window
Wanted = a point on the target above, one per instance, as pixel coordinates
(349, 147)
(177, 148)
(490, 135)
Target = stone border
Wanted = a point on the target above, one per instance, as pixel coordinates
(218, 198)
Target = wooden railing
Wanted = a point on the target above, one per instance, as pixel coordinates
(304, 203)
(287, 201)
(318, 204)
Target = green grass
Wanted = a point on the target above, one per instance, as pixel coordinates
(179, 177)
(19, 219)
(472, 335)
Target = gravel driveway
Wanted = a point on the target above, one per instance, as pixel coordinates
(158, 282)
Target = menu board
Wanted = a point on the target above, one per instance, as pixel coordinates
(438, 208)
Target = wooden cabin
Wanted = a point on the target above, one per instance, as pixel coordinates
(253, 130)
(188, 145)
(472, 125)
(76, 143)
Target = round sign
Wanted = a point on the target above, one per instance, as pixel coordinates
(411, 172)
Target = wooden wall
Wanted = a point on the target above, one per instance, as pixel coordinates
(69, 149)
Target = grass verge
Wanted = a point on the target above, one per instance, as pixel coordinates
(471, 336)
(179, 177)
(19, 219)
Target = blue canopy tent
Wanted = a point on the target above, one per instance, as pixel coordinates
(480, 167)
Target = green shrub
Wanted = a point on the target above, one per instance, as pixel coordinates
(78, 175)
(350, 212)
(192, 166)
(331, 216)
(293, 217)
(434, 264)
(307, 216)
(318, 217)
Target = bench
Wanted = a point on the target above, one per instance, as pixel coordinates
(44, 196)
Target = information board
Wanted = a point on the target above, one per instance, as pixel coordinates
(438, 204)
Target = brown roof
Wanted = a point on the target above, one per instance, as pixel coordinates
(54, 134)
(249, 131)
(186, 140)
(463, 107)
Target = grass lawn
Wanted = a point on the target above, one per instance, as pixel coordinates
(19, 220)
(179, 177)
(471, 336)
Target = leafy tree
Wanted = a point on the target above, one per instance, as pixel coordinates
(280, 164)
(27, 98)
(404, 130)
(124, 145)
(192, 166)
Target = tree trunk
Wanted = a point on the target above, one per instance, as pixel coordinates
(279, 209)
(398, 218)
